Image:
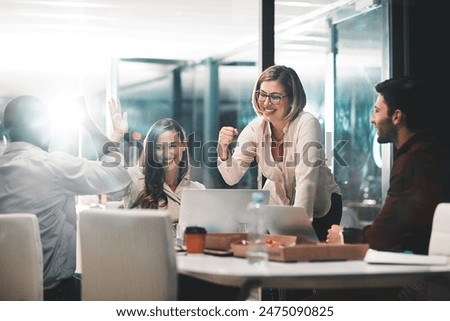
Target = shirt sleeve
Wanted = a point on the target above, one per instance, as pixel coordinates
(235, 167)
(310, 152)
(84, 177)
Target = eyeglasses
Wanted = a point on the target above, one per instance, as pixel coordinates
(273, 98)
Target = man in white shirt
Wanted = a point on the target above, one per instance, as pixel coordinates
(33, 180)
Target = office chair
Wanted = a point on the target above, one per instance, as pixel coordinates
(440, 231)
(439, 289)
(21, 258)
(127, 255)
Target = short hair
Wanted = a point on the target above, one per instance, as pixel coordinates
(26, 118)
(407, 94)
(291, 83)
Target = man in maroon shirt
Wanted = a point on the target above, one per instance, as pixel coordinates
(419, 181)
(419, 178)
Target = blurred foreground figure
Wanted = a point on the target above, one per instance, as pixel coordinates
(32, 180)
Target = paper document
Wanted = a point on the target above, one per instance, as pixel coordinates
(386, 257)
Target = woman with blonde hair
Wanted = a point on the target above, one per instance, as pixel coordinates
(288, 145)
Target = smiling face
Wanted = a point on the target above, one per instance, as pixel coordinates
(380, 118)
(274, 113)
(169, 149)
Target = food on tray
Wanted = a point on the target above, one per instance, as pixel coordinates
(269, 242)
(273, 243)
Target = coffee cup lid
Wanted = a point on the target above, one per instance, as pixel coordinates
(195, 230)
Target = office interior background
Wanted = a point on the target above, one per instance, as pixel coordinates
(196, 61)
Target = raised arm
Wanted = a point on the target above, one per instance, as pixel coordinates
(101, 142)
(119, 120)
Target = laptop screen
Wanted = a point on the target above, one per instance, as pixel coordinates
(290, 220)
(217, 210)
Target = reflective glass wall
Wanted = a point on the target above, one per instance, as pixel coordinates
(338, 53)
(359, 52)
(168, 70)
(202, 97)
(340, 60)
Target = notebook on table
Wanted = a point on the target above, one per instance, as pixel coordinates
(217, 210)
(290, 220)
(388, 257)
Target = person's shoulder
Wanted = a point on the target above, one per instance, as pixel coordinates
(423, 151)
(306, 115)
(24, 147)
(60, 156)
(305, 118)
(428, 143)
(196, 185)
(256, 122)
(135, 170)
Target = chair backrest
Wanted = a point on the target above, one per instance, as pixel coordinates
(440, 231)
(21, 258)
(127, 255)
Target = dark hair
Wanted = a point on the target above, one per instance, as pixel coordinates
(407, 94)
(154, 174)
(291, 83)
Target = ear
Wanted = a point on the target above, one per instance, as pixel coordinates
(397, 117)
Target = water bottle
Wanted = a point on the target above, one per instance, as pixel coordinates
(257, 249)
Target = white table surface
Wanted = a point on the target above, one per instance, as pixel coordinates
(235, 271)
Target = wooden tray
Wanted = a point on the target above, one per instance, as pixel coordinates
(309, 252)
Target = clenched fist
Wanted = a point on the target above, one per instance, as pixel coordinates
(226, 136)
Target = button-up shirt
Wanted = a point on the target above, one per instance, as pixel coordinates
(420, 180)
(35, 181)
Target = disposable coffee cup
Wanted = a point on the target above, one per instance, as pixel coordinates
(194, 239)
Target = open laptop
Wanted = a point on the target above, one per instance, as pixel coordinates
(290, 220)
(217, 210)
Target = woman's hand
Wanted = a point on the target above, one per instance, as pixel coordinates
(119, 120)
(226, 136)
(100, 140)
(335, 235)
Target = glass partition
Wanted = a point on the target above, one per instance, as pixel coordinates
(336, 50)
(186, 93)
(359, 66)
(340, 56)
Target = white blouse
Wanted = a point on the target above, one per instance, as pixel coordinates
(173, 197)
(303, 179)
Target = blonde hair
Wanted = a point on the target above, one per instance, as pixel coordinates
(292, 85)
